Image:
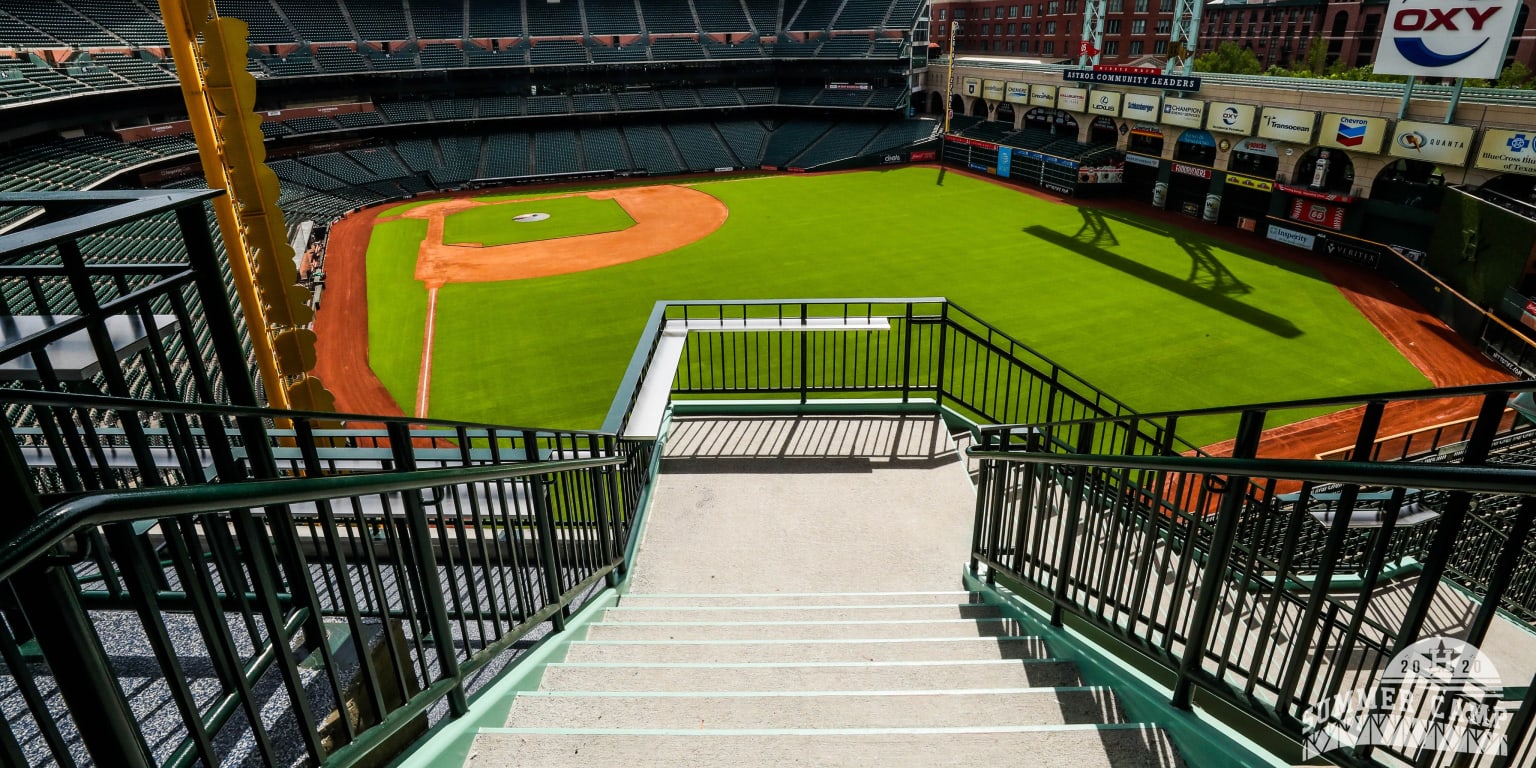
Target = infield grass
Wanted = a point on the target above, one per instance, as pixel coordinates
(1159, 318)
(568, 217)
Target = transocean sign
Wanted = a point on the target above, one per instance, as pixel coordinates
(1446, 38)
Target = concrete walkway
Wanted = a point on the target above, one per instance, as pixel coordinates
(807, 505)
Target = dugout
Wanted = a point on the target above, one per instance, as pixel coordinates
(1245, 197)
(1190, 180)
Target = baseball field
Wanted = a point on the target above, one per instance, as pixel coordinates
(488, 310)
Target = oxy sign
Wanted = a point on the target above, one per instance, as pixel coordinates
(1446, 38)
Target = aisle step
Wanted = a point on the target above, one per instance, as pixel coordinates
(825, 676)
(1077, 746)
(805, 630)
(898, 612)
(840, 709)
(769, 599)
(851, 649)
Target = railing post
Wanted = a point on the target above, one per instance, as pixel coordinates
(1246, 446)
(1073, 511)
(906, 356)
(938, 363)
(426, 559)
(544, 519)
(1448, 529)
(805, 353)
(601, 484)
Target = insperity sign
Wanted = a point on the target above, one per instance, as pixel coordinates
(1446, 38)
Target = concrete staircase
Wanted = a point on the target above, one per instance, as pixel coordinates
(893, 678)
(753, 634)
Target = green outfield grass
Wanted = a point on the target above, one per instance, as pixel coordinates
(568, 217)
(1161, 319)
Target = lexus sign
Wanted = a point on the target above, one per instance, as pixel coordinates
(1446, 38)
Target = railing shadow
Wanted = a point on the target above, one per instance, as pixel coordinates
(1209, 296)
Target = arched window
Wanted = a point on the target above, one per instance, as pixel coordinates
(1337, 174)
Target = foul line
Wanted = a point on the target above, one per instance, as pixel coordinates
(424, 377)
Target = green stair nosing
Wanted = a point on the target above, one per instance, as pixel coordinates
(801, 664)
(823, 641)
(856, 622)
(866, 606)
(927, 731)
(1041, 690)
(1200, 737)
(696, 595)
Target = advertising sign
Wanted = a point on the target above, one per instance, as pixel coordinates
(1291, 237)
(1135, 80)
(1138, 106)
(1293, 125)
(1262, 185)
(1317, 214)
(1042, 96)
(1191, 170)
(1256, 147)
(1431, 142)
(994, 90)
(1359, 134)
(971, 86)
(1230, 118)
(1072, 99)
(1188, 113)
(1105, 103)
(1507, 151)
(1018, 93)
(1445, 38)
(1135, 159)
(1004, 161)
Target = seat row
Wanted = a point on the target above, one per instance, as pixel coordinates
(34, 24)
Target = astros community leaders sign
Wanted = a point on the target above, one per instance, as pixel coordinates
(1445, 38)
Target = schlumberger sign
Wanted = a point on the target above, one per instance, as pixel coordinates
(1446, 38)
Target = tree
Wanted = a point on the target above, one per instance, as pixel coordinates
(1316, 61)
(1229, 58)
(1516, 75)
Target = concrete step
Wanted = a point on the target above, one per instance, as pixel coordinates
(625, 614)
(864, 649)
(1078, 746)
(853, 676)
(805, 630)
(884, 709)
(781, 599)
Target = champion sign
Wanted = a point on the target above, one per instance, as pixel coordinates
(1446, 38)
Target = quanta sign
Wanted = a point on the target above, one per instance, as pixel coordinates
(1446, 38)
(1431, 142)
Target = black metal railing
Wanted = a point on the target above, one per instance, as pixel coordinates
(315, 591)
(1274, 584)
(906, 348)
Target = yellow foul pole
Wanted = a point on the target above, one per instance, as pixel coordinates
(220, 97)
(949, 79)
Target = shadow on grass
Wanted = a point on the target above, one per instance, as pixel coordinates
(1214, 292)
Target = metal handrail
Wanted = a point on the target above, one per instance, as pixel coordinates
(106, 402)
(58, 523)
(1444, 393)
(1443, 477)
